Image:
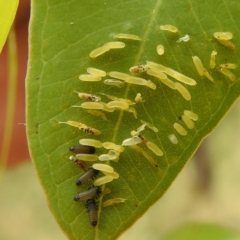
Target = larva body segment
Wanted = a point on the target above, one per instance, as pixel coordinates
(102, 180)
(223, 35)
(188, 121)
(92, 105)
(87, 157)
(212, 63)
(180, 129)
(127, 36)
(113, 82)
(154, 148)
(160, 49)
(157, 74)
(93, 192)
(113, 45)
(96, 72)
(90, 142)
(92, 212)
(89, 78)
(191, 115)
(169, 28)
(183, 91)
(173, 138)
(99, 51)
(90, 174)
(82, 149)
(103, 167)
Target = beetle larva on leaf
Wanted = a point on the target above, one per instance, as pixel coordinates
(82, 149)
(111, 145)
(138, 69)
(113, 45)
(118, 104)
(228, 65)
(212, 63)
(156, 66)
(88, 97)
(169, 28)
(92, 211)
(103, 167)
(99, 51)
(90, 174)
(93, 192)
(127, 36)
(180, 129)
(154, 148)
(91, 105)
(156, 73)
(198, 64)
(118, 75)
(79, 163)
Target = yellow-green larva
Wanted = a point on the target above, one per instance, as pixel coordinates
(223, 35)
(160, 49)
(89, 78)
(156, 66)
(191, 115)
(188, 121)
(169, 28)
(92, 211)
(87, 157)
(113, 82)
(198, 64)
(127, 36)
(82, 149)
(97, 72)
(93, 192)
(113, 201)
(89, 174)
(90, 142)
(92, 105)
(183, 91)
(99, 51)
(180, 129)
(118, 104)
(186, 38)
(113, 45)
(97, 113)
(212, 63)
(88, 97)
(118, 75)
(103, 167)
(154, 148)
(157, 74)
(227, 73)
(111, 145)
(138, 69)
(173, 138)
(102, 180)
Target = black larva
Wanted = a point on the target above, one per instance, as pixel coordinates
(87, 176)
(91, 193)
(92, 211)
(82, 149)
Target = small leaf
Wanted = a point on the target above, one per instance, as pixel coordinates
(62, 35)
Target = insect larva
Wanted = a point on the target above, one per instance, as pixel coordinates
(118, 75)
(90, 142)
(87, 157)
(180, 129)
(227, 73)
(156, 66)
(186, 38)
(212, 63)
(82, 149)
(92, 211)
(115, 175)
(89, 78)
(228, 65)
(87, 176)
(198, 64)
(88, 97)
(118, 104)
(149, 126)
(227, 43)
(112, 45)
(111, 145)
(131, 141)
(102, 180)
(112, 82)
(154, 148)
(113, 201)
(168, 83)
(160, 49)
(156, 74)
(169, 28)
(103, 167)
(127, 36)
(188, 121)
(91, 105)
(97, 72)
(83, 127)
(183, 91)
(138, 69)
(79, 163)
(223, 35)
(93, 192)
(145, 154)
(191, 115)
(97, 113)
(99, 51)
(173, 138)
(180, 77)
(138, 98)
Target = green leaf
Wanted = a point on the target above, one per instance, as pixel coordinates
(62, 34)
(7, 12)
(199, 231)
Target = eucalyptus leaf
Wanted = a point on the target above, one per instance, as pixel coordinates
(62, 35)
